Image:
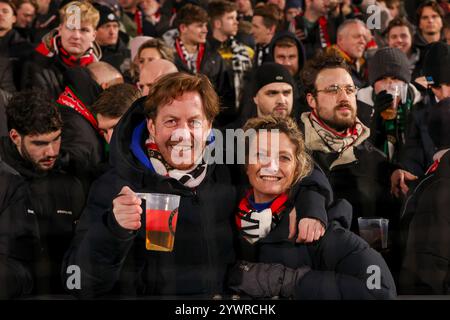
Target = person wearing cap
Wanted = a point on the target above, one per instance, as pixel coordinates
(388, 68)
(113, 46)
(417, 154)
(426, 231)
(339, 141)
(72, 44)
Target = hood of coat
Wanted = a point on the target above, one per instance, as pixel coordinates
(300, 48)
(128, 155)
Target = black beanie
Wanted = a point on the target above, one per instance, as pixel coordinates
(270, 72)
(106, 15)
(438, 124)
(436, 66)
(389, 62)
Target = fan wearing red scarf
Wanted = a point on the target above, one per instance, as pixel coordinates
(270, 265)
(71, 44)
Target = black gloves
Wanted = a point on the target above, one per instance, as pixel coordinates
(264, 280)
(383, 100)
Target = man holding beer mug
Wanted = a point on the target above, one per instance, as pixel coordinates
(158, 148)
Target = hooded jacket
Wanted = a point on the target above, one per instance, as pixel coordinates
(56, 200)
(114, 261)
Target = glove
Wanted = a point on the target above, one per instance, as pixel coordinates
(383, 100)
(264, 280)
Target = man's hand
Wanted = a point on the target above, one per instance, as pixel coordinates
(127, 209)
(398, 182)
(309, 229)
(300, 34)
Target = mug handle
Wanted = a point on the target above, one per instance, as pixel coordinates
(172, 214)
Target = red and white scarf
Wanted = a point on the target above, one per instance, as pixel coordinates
(192, 61)
(254, 225)
(56, 48)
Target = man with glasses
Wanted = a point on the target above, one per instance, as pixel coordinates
(339, 141)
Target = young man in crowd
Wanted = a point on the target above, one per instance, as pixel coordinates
(26, 13)
(68, 46)
(237, 56)
(56, 198)
(134, 20)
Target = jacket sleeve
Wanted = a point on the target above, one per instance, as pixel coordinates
(427, 254)
(18, 239)
(314, 196)
(100, 245)
(348, 269)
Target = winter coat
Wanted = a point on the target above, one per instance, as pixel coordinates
(57, 200)
(114, 261)
(19, 238)
(340, 261)
(119, 56)
(425, 224)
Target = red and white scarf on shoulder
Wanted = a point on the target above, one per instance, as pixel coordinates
(254, 225)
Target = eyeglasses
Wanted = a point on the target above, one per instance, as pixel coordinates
(335, 88)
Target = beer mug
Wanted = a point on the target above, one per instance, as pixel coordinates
(161, 215)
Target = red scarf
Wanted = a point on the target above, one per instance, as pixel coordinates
(69, 99)
(67, 58)
(433, 167)
(323, 29)
(246, 210)
(181, 54)
(138, 21)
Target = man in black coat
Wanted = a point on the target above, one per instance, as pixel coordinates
(56, 198)
(425, 217)
(109, 246)
(19, 238)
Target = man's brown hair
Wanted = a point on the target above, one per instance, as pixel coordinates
(433, 5)
(271, 14)
(19, 3)
(285, 42)
(216, 9)
(323, 60)
(174, 85)
(115, 100)
(190, 14)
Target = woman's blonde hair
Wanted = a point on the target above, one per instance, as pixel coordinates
(88, 14)
(304, 163)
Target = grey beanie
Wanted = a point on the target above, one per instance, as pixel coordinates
(389, 62)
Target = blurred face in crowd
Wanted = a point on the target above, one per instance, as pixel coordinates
(128, 4)
(180, 130)
(442, 91)
(291, 13)
(107, 125)
(321, 7)
(25, 15)
(228, 24)
(336, 108)
(271, 172)
(394, 9)
(244, 6)
(288, 57)
(385, 83)
(41, 150)
(400, 37)
(148, 55)
(430, 21)
(77, 41)
(260, 32)
(274, 99)
(108, 34)
(43, 6)
(7, 18)
(194, 33)
(353, 40)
